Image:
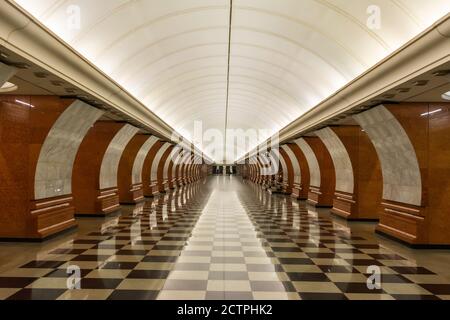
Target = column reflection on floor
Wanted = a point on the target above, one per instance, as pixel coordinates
(218, 239)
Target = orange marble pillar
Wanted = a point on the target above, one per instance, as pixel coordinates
(170, 174)
(39, 138)
(300, 190)
(162, 173)
(178, 172)
(130, 168)
(358, 173)
(322, 196)
(411, 140)
(289, 182)
(95, 168)
(150, 187)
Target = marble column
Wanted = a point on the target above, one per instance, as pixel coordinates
(162, 170)
(358, 173)
(321, 169)
(158, 165)
(288, 175)
(171, 166)
(39, 138)
(150, 186)
(284, 171)
(300, 185)
(96, 166)
(130, 168)
(177, 166)
(304, 171)
(411, 140)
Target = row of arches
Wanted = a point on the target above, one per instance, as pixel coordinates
(391, 164)
(61, 157)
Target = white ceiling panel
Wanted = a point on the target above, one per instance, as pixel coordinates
(285, 55)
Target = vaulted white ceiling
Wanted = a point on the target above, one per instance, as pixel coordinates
(285, 55)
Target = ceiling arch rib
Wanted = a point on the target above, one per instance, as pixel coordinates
(277, 88)
(190, 89)
(199, 80)
(260, 120)
(255, 95)
(197, 93)
(289, 88)
(351, 19)
(251, 83)
(190, 111)
(175, 105)
(180, 77)
(272, 54)
(198, 112)
(280, 40)
(170, 103)
(284, 57)
(292, 81)
(303, 22)
(145, 55)
(261, 93)
(160, 15)
(280, 69)
(199, 61)
(305, 85)
(211, 99)
(208, 16)
(166, 58)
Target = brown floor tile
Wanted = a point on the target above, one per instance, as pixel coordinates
(159, 259)
(119, 265)
(414, 297)
(356, 287)
(148, 274)
(437, 289)
(37, 294)
(304, 276)
(93, 283)
(323, 296)
(412, 270)
(13, 282)
(133, 295)
(337, 269)
(43, 264)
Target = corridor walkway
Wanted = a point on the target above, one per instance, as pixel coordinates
(221, 239)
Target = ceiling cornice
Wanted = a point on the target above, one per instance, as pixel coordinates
(427, 51)
(23, 34)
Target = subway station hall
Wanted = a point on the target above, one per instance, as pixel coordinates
(225, 150)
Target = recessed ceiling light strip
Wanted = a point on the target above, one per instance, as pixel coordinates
(228, 83)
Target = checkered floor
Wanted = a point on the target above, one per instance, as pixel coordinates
(222, 240)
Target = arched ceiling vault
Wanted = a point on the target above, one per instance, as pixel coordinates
(276, 61)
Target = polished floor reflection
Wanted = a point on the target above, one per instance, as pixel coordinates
(221, 239)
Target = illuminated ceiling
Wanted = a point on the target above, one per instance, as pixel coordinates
(281, 59)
